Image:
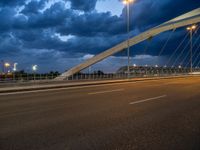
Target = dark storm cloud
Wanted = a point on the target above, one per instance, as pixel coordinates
(6, 17)
(54, 16)
(39, 39)
(12, 2)
(33, 7)
(149, 13)
(84, 5)
(43, 39)
(9, 20)
(93, 24)
(93, 43)
(8, 45)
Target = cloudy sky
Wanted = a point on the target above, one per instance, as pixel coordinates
(58, 34)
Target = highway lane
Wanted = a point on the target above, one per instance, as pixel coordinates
(161, 114)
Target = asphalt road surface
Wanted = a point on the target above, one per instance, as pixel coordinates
(151, 115)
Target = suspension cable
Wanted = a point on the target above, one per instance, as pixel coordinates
(196, 59)
(183, 49)
(122, 55)
(168, 39)
(196, 41)
(149, 41)
(198, 63)
(182, 52)
(181, 43)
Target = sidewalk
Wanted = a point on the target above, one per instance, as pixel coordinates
(55, 85)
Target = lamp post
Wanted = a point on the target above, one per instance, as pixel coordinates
(191, 29)
(127, 3)
(6, 68)
(34, 68)
(14, 70)
(2, 65)
(6, 65)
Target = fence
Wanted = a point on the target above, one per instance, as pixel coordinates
(136, 73)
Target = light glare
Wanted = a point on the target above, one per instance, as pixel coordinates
(127, 1)
(7, 65)
(193, 27)
(34, 67)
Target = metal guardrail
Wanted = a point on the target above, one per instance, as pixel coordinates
(86, 77)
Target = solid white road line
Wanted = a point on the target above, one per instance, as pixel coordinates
(102, 92)
(149, 99)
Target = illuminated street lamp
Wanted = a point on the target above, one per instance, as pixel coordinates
(191, 29)
(127, 3)
(14, 70)
(15, 67)
(34, 68)
(6, 65)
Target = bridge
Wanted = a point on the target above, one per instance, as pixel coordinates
(189, 18)
(138, 113)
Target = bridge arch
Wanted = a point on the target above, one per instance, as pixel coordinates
(189, 18)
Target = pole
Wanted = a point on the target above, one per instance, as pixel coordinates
(128, 41)
(191, 47)
(3, 66)
(2, 63)
(13, 75)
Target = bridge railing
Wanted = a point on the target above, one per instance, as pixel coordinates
(137, 73)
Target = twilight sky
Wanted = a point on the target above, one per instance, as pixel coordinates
(58, 34)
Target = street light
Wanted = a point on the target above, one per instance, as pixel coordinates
(6, 65)
(127, 3)
(191, 29)
(34, 68)
(15, 67)
(14, 70)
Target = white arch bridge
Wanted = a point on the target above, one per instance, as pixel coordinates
(189, 18)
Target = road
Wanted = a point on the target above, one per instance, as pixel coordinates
(150, 115)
